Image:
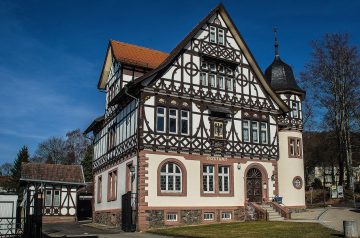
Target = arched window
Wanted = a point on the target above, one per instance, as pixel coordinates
(170, 178)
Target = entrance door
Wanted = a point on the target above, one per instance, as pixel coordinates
(253, 185)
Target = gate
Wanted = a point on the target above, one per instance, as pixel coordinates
(33, 215)
(128, 201)
(10, 225)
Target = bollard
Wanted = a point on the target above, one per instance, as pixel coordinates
(350, 229)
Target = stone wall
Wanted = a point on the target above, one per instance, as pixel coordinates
(190, 217)
(110, 217)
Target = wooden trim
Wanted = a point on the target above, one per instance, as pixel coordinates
(128, 177)
(183, 178)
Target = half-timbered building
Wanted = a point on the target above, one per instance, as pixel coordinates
(196, 134)
(55, 186)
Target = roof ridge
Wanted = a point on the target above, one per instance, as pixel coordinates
(145, 48)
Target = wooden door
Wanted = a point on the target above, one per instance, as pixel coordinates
(254, 185)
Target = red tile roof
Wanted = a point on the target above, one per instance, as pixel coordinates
(137, 55)
(57, 173)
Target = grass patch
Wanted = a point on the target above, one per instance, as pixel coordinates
(251, 229)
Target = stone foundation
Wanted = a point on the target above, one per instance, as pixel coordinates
(109, 217)
(157, 218)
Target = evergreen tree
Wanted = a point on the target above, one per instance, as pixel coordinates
(87, 164)
(15, 172)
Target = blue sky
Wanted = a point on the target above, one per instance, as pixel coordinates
(51, 52)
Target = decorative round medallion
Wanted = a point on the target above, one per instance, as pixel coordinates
(191, 69)
(297, 182)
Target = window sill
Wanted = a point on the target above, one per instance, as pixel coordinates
(175, 194)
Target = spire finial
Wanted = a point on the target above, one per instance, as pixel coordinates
(276, 43)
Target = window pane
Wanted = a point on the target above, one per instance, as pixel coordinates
(56, 198)
(212, 34)
(221, 82)
(255, 132)
(160, 110)
(48, 197)
(170, 183)
(212, 80)
(178, 183)
(229, 84)
(221, 36)
(163, 182)
(170, 167)
(211, 183)
(172, 112)
(205, 188)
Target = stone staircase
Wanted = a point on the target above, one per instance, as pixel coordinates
(273, 215)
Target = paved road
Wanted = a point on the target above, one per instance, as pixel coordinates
(88, 229)
(333, 218)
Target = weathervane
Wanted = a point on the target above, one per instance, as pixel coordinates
(276, 43)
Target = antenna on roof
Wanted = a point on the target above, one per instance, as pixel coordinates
(276, 43)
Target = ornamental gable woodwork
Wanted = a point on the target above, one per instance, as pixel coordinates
(208, 129)
(294, 118)
(213, 68)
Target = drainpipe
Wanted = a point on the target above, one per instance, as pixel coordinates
(137, 134)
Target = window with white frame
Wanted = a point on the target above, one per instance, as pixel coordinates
(212, 34)
(292, 147)
(208, 216)
(212, 67)
(223, 175)
(246, 131)
(229, 84)
(171, 217)
(208, 178)
(226, 215)
(212, 79)
(173, 121)
(255, 131)
(203, 79)
(221, 82)
(48, 198)
(264, 132)
(295, 109)
(56, 201)
(160, 119)
(184, 122)
(170, 178)
(221, 36)
(298, 147)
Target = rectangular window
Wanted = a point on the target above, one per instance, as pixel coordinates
(226, 215)
(184, 122)
(208, 178)
(298, 147)
(99, 190)
(160, 119)
(221, 38)
(112, 185)
(173, 121)
(218, 129)
(212, 34)
(221, 69)
(292, 147)
(229, 84)
(171, 217)
(56, 201)
(263, 133)
(203, 65)
(48, 198)
(223, 179)
(212, 67)
(212, 80)
(294, 110)
(111, 137)
(255, 131)
(208, 216)
(203, 79)
(221, 82)
(246, 131)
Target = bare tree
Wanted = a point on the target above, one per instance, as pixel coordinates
(76, 146)
(52, 151)
(5, 169)
(333, 74)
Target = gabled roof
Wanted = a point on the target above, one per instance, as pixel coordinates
(52, 173)
(132, 55)
(147, 78)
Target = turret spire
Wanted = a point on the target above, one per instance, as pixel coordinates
(276, 43)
